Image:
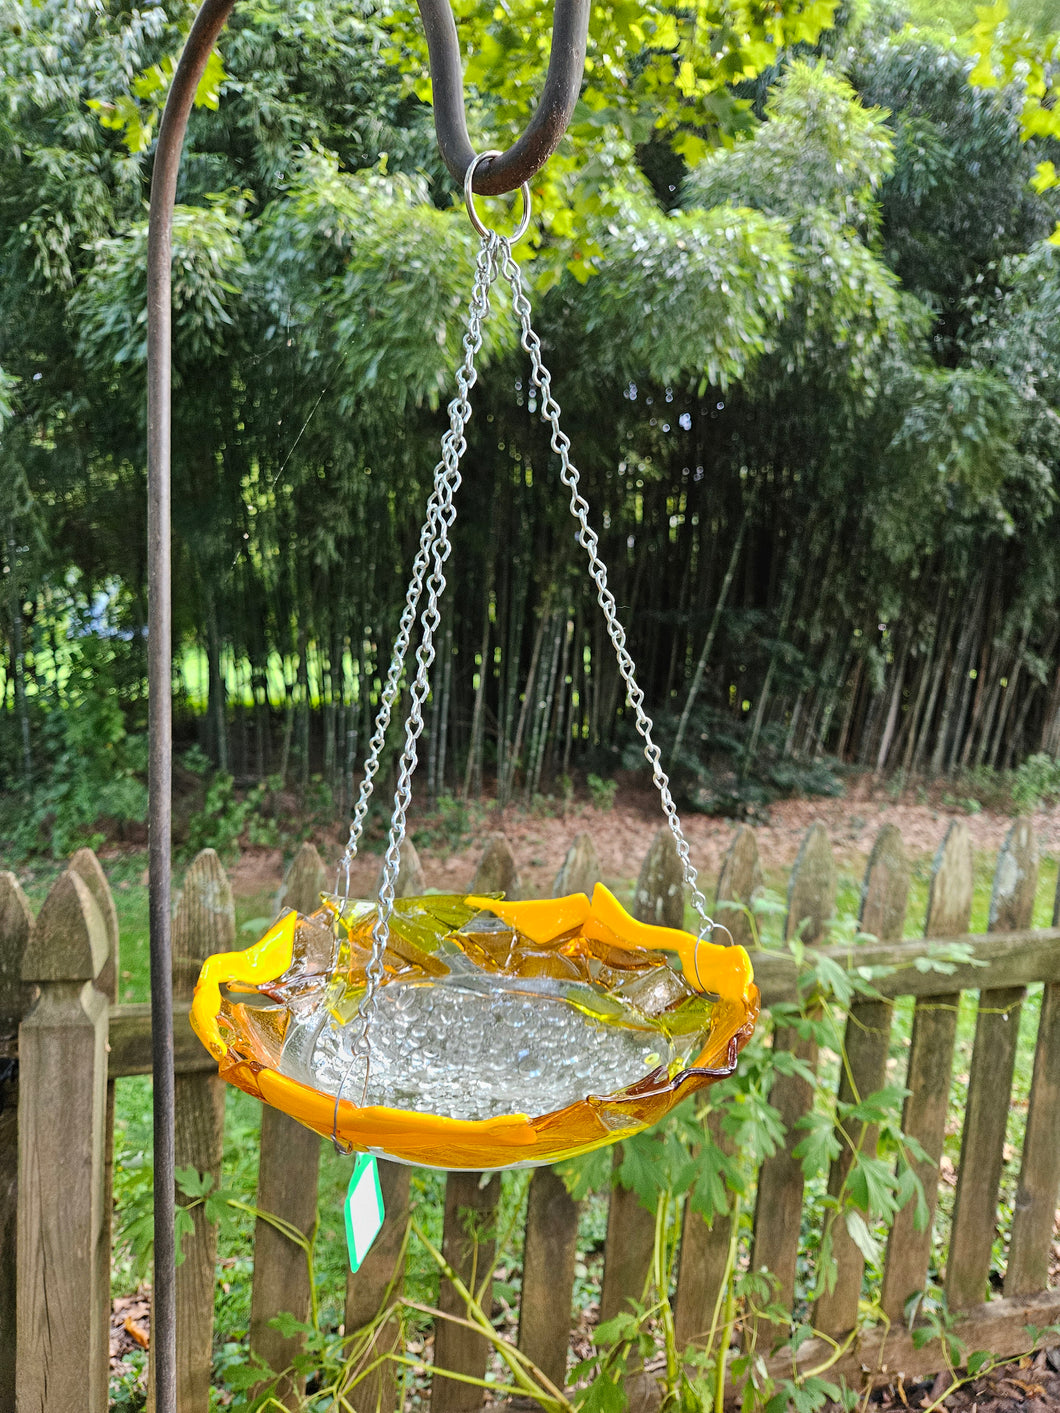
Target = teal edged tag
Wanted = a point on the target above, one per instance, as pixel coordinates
(363, 1208)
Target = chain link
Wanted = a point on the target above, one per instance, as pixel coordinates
(587, 538)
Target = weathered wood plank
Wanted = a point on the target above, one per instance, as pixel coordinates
(551, 1215)
(1005, 959)
(410, 879)
(703, 1266)
(204, 923)
(659, 897)
(62, 1307)
(659, 894)
(879, 1356)
(549, 1254)
(704, 1257)
(88, 868)
(580, 870)
(739, 882)
(882, 1356)
(497, 871)
(884, 896)
(16, 924)
(928, 1076)
(469, 1242)
(778, 1206)
(130, 1042)
(990, 1085)
(382, 1271)
(1038, 1193)
(288, 1169)
(371, 1290)
(628, 1249)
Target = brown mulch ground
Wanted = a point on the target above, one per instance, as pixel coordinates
(540, 839)
(1027, 1385)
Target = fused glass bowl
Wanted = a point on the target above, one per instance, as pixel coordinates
(503, 1034)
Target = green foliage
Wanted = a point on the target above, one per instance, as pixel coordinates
(602, 792)
(687, 298)
(1036, 782)
(93, 766)
(225, 816)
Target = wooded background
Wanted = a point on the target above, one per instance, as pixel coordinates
(804, 321)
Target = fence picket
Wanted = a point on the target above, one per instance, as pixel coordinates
(1038, 1192)
(497, 871)
(778, 1206)
(549, 1255)
(990, 1084)
(16, 924)
(659, 897)
(884, 896)
(928, 1074)
(470, 1197)
(381, 1274)
(551, 1239)
(704, 1259)
(469, 1242)
(62, 1316)
(379, 1279)
(288, 1169)
(739, 882)
(88, 868)
(204, 923)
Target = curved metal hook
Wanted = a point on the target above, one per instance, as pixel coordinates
(508, 171)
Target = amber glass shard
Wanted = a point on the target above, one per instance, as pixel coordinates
(504, 1034)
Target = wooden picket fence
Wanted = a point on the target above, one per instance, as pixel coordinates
(65, 1042)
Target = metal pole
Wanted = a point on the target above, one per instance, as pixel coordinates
(204, 32)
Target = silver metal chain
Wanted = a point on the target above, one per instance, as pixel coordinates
(434, 550)
(587, 538)
(494, 258)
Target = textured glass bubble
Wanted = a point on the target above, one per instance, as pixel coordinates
(533, 1046)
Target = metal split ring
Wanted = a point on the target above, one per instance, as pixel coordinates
(476, 219)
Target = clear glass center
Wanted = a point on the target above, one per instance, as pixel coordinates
(467, 1050)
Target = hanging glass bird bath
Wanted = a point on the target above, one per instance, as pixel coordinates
(471, 1032)
(503, 1034)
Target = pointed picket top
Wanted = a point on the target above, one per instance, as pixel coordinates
(811, 888)
(580, 871)
(69, 941)
(1015, 880)
(303, 882)
(952, 884)
(659, 897)
(885, 890)
(16, 925)
(739, 881)
(497, 870)
(410, 879)
(204, 921)
(89, 869)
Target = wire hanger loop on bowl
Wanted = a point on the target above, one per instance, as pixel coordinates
(472, 211)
